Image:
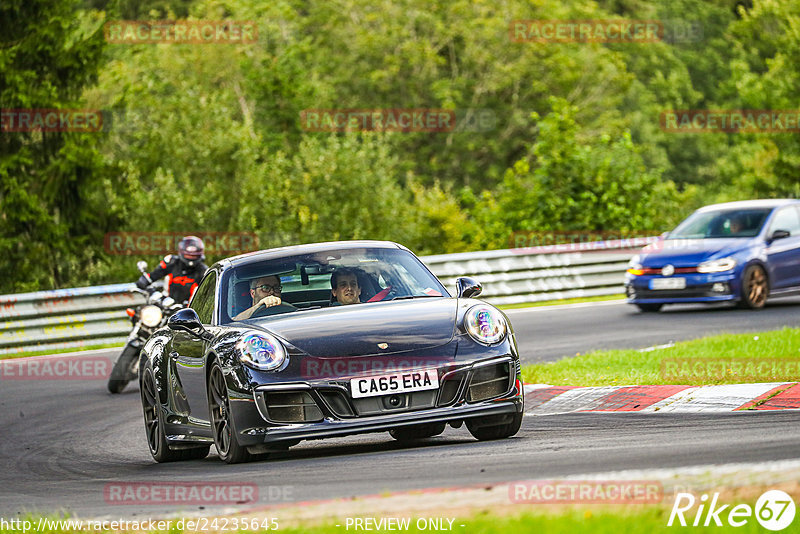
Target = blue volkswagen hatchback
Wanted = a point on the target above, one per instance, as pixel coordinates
(743, 252)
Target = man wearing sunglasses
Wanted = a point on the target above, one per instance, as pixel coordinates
(266, 292)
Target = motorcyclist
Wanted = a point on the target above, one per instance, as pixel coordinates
(182, 271)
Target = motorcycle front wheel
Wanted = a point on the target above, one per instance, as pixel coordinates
(121, 373)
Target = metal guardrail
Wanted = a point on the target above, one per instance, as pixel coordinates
(66, 318)
(72, 318)
(538, 274)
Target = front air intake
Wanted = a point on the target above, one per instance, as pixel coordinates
(489, 381)
(291, 407)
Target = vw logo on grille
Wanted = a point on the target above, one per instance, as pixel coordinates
(383, 345)
(668, 270)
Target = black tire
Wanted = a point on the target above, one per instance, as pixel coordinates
(219, 408)
(154, 426)
(411, 433)
(755, 288)
(495, 427)
(649, 308)
(121, 374)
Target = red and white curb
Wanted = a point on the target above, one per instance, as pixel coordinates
(541, 399)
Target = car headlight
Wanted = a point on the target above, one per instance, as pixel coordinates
(261, 351)
(635, 266)
(150, 315)
(717, 266)
(485, 324)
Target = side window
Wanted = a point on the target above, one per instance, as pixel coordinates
(786, 219)
(203, 301)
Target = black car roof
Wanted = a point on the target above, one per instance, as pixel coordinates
(310, 248)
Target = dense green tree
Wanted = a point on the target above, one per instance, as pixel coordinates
(597, 185)
(53, 214)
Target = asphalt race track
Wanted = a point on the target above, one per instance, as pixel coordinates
(64, 441)
(551, 332)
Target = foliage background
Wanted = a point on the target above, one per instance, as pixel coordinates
(208, 137)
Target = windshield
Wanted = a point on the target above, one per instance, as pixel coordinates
(721, 223)
(296, 283)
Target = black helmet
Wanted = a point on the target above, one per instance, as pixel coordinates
(191, 250)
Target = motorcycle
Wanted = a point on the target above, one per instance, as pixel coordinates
(146, 319)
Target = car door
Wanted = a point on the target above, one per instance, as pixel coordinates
(783, 255)
(188, 352)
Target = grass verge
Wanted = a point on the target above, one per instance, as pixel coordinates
(724, 359)
(599, 298)
(60, 351)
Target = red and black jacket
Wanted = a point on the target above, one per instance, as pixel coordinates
(181, 280)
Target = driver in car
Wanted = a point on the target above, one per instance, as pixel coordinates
(344, 286)
(266, 292)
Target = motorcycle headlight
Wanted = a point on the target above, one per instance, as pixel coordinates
(485, 324)
(150, 315)
(261, 351)
(717, 266)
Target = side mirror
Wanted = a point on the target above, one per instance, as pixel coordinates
(186, 320)
(468, 287)
(142, 266)
(779, 234)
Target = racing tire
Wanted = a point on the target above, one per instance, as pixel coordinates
(154, 426)
(755, 288)
(415, 432)
(649, 308)
(219, 407)
(495, 427)
(120, 373)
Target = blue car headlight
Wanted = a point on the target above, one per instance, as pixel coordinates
(717, 266)
(485, 324)
(261, 351)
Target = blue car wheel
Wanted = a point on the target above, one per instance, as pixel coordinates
(755, 288)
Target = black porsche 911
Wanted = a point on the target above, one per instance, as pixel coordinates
(268, 353)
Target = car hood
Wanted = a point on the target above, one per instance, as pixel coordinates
(357, 330)
(691, 252)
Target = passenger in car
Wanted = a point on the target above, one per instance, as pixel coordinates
(265, 291)
(344, 286)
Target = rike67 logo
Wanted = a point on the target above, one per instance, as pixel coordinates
(774, 510)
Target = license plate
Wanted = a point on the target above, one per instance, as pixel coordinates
(371, 386)
(668, 283)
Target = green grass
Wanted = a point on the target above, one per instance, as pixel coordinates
(599, 298)
(59, 351)
(529, 518)
(724, 359)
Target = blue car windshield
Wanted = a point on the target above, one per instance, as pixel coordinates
(721, 224)
(304, 282)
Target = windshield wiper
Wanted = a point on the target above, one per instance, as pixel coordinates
(409, 297)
